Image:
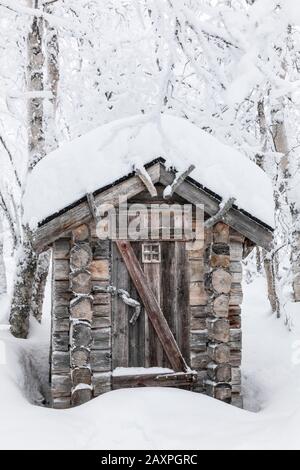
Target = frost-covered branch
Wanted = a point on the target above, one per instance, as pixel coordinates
(15, 7)
(11, 215)
(8, 152)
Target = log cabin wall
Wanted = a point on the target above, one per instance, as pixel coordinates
(60, 371)
(198, 310)
(236, 242)
(218, 282)
(223, 280)
(80, 358)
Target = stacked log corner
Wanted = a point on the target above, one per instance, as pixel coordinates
(81, 320)
(81, 316)
(60, 349)
(81, 349)
(218, 281)
(198, 312)
(236, 242)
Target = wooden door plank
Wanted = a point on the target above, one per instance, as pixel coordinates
(136, 332)
(154, 351)
(120, 325)
(182, 300)
(167, 286)
(152, 307)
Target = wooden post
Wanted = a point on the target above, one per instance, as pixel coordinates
(81, 315)
(101, 351)
(60, 331)
(236, 241)
(198, 311)
(218, 285)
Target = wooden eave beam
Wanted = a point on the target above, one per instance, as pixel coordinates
(80, 213)
(236, 219)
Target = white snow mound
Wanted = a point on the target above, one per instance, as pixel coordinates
(110, 152)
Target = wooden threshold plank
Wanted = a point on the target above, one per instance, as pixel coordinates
(153, 380)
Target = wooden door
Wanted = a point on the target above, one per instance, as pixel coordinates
(165, 265)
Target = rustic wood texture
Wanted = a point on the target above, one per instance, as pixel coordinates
(179, 179)
(60, 329)
(146, 179)
(198, 300)
(81, 339)
(241, 222)
(219, 284)
(169, 282)
(101, 360)
(152, 307)
(139, 333)
(61, 386)
(101, 383)
(175, 293)
(193, 295)
(120, 324)
(81, 214)
(193, 193)
(81, 256)
(154, 352)
(81, 308)
(101, 323)
(237, 252)
(153, 380)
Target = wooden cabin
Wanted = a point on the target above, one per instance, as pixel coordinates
(188, 330)
(147, 312)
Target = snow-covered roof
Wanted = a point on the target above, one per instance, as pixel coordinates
(112, 151)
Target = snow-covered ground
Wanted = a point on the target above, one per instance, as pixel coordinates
(164, 418)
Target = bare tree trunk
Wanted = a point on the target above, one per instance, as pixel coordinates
(271, 282)
(295, 260)
(269, 263)
(52, 54)
(3, 283)
(38, 291)
(52, 51)
(281, 145)
(21, 303)
(27, 262)
(259, 260)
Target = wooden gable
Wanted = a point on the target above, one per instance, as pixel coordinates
(57, 225)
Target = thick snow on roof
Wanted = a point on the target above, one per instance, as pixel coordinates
(112, 151)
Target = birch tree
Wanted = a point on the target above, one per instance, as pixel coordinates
(27, 259)
(3, 282)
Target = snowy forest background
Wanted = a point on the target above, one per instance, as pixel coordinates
(232, 67)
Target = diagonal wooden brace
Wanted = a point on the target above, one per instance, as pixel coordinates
(152, 307)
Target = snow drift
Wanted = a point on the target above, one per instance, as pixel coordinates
(159, 418)
(112, 151)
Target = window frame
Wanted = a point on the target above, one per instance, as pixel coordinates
(149, 255)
